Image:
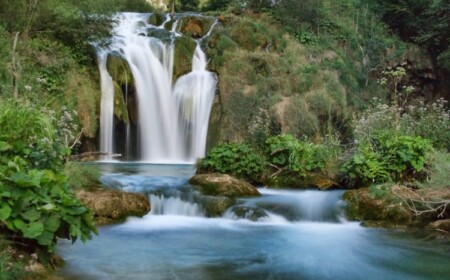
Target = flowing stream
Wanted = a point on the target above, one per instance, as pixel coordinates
(284, 234)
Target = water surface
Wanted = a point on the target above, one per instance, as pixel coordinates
(303, 235)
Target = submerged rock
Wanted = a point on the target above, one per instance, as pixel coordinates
(111, 206)
(223, 185)
(248, 212)
(215, 206)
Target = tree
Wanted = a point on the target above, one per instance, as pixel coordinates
(424, 23)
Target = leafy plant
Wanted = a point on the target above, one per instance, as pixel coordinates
(388, 157)
(301, 157)
(36, 207)
(236, 159)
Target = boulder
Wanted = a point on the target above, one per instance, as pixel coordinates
(215, 206)
(156, 19)
(223, 185)
(376, 210)
(196, 27)
(112, 205)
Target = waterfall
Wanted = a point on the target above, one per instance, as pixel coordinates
(162, 205)
(172, 120)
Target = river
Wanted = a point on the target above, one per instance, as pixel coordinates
(297, 234)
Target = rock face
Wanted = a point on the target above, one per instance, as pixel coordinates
(223, 185)
(111, 206)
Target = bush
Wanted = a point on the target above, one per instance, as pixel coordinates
(387, 157)
(36, 206)
(301, 157)
(430, 121)
(82, 176)
(236, 159)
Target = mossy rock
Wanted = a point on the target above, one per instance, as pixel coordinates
(215, 206)
(119, 70)
(184, 51)
(159, 33)
(362, 205)
(112, 206)
(223, 185)
(120, 108)
(248, 212)
(168, 25)
(312, 180)
(156, 19)
(195, 27)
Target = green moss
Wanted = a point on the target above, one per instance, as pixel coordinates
(119, 70)
(156, 19)
(184, 51)
(362, 205)
(120, 108)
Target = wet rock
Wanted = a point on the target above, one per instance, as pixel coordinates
(362, 205)
(223, 185)
(119, 70)
(112, 205)
(196, 27)
(184, 51)
(156, 19)
(159, 33)
(215, 206)
(316, 181)
(248, 212)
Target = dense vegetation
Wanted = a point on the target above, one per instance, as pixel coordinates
(314, 121)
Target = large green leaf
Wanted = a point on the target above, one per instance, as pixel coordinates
(32, 179)
(31, 215)
(33, 230)
(46, 238)
(5, 211)
(52, 222)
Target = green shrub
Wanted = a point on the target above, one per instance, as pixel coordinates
(82, 176)
(388, 157)
(301, 157)
(236, 159)
(36, 206)
(430, 121)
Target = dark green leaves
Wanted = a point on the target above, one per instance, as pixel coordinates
(236, 159)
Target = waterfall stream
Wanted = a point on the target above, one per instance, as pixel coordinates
(172, 119)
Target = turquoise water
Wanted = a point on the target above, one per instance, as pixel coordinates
(304, 235)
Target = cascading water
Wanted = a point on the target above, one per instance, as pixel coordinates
(172, 121)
